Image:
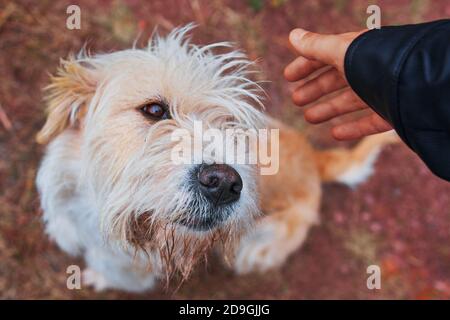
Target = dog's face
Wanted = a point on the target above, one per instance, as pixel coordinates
(126, 106)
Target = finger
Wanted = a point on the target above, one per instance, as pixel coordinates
(314, 46)
(345, 102)
(301, 68)
(363, 127)
(327, 82)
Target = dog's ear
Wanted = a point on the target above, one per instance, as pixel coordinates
(67, 97)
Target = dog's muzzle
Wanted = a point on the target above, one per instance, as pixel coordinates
(217, 188)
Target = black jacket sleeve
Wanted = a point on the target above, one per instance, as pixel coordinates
(403, 73)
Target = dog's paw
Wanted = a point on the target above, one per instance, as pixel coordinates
(268, 246)
(255, 253)
(94, 279)
(260, 251)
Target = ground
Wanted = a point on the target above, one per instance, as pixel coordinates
(399, 219)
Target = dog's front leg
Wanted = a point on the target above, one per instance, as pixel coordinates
(112, 268)
(274, 238)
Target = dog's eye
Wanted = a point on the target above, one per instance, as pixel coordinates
(155, 111)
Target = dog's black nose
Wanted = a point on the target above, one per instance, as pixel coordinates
(219, 183)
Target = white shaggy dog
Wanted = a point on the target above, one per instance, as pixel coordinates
(111, 170)
(111, 193)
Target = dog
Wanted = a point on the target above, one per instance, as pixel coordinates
(111, 193)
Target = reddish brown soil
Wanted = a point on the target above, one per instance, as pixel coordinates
(399, 219)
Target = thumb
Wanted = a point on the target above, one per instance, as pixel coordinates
(320, 47)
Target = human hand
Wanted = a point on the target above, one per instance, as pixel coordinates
(327, 53)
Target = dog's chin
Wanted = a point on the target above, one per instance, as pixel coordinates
(213, 219)
(201, 224)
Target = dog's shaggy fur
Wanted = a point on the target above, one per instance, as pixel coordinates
(111, 193)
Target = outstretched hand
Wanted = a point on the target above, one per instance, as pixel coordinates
(327, 53)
